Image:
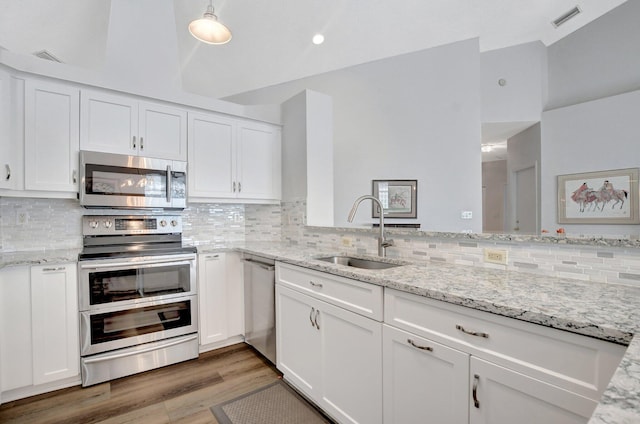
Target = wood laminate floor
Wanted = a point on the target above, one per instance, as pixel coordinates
(180, 393)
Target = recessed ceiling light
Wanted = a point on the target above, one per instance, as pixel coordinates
(318, 39)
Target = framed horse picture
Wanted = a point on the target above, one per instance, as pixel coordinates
(603, 197)
(399, 198)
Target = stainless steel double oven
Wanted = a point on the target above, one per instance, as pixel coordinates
(137, 296)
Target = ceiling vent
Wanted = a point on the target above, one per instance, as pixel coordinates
(43, 54)
(565, 17)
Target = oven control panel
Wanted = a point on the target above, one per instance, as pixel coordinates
(99, 225)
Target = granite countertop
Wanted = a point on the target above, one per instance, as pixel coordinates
(605, 311)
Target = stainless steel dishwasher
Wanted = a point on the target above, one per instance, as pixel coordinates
(259, 305)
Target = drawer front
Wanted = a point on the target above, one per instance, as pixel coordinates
(362, 298)
(581, 364)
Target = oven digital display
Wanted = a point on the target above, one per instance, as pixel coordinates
(136, 224)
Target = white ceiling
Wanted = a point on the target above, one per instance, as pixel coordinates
(272, 39)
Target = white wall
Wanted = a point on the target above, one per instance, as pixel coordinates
(594, 136)
(524, 93)
(598, 60)
(414, 116)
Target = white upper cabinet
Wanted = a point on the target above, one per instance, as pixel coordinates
(119, 124)
(6, 150)
(259, 162)
(51, 136)
(233, 159)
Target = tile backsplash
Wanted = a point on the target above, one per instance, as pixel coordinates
(39, 224)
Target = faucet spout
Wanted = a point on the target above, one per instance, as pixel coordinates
(383, 243)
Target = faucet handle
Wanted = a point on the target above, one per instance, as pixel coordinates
(387, 243)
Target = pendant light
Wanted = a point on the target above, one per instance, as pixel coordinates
(208, 30)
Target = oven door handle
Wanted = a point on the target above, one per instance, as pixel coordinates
(136, 352)
(177, 260)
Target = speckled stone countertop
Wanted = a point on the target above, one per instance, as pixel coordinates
(605, 311)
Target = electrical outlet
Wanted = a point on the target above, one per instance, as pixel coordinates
(22, 216)
(346, 242)
(495, 256)
(466, 215)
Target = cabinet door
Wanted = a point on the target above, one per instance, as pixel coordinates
(505, 397)
(15, 328)
(424, 381)
(108, 123)
(259, 162)
(235, 294)
(6, 147)
(298, 340)
(351, 356)
(212, 297)
(162, 131)
(51, 136)
(55, 327)
(211, 157)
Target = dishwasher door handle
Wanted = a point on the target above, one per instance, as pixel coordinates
(262, 265)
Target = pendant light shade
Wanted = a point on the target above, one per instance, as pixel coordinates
(208, 30)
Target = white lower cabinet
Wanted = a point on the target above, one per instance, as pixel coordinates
(424, 381)
(220, 297)
(39, 329)
(437, 356)
(500, 395)
(330, 354)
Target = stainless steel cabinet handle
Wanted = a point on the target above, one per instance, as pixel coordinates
(315, 319)
(311, 316)
(318, 285)
(60, 268)
(134, 141)
(239, 186)
(212, 256)
(141, 143)
(476, 380)
(234, 186)
(472, 333)
(74, 177)
(8, 172)
(412, 343)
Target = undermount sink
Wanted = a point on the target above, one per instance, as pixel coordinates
(358, 262)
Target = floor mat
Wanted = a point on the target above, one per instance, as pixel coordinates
(275, 403)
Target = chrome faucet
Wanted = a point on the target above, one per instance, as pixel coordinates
(383, 243)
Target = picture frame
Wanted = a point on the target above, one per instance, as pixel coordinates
(602, 197)
(399, 198)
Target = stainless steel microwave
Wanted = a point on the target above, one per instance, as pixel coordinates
(110, 180)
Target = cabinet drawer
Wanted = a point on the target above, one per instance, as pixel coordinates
(362, 298)
(581, 364)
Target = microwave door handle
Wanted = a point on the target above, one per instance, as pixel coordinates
(168, 183)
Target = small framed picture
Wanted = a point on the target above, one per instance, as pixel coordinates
(399, 198)
(602, 197)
